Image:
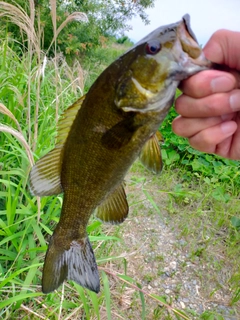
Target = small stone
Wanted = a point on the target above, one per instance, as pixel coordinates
(167, 291)
(182, 305)
(182, 242)
(173, 265)
(168, 300)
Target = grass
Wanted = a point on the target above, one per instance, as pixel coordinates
(203, 207)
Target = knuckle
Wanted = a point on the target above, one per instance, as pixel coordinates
(202, 142)
(181, 103)
(216, 103)
(219, 34)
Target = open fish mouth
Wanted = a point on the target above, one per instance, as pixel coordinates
(192, 58)
(191, 52)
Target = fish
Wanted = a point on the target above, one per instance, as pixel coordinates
(99, 138)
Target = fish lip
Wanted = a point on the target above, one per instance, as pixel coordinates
(188, 66)
(200, 63)
(186, 19)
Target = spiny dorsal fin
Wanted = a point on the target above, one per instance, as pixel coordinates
(45, 176)
(66, 121)
(150, 155)
(114, 208)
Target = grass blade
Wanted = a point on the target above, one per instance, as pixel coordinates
(20, 297)
(142, 301)
(107, 294)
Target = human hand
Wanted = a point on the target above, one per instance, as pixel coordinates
(209, 107)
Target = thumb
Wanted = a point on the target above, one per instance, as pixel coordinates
(224, 48)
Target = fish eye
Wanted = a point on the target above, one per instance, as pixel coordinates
(153, 47)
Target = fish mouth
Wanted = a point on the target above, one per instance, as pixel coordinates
(191, 57)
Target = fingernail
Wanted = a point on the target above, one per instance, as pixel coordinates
(227, 127)
(234, 101)
(221, 84)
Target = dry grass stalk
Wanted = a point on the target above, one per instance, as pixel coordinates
(38, 75)
(7, 112)
(54, 22)
(20, 138)
(53, 6)
(18, 16)
(25, 22)
(79, 78)
(28, 310)
(77, 16)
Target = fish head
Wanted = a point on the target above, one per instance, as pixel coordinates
(156, 65)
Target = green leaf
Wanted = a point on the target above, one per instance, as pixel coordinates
(235, 222)
(142, 301)
(107, 294)
(94, 299)
(150, 199)
(83, 299)
(20, 297)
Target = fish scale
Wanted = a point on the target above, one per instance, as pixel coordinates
(101, 135)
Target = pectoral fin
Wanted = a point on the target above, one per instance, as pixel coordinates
(45, 176)
(150, 155)
(114, 209)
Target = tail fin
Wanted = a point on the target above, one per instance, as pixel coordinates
(77, 263)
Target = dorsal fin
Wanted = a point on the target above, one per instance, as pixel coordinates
(114, 209)
(66, 121)
(45, 176)
(150, 155)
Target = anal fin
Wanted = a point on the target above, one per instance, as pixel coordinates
(114, 209)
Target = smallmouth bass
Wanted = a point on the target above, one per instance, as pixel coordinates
(101, 135)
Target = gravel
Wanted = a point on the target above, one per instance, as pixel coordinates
(163, 265)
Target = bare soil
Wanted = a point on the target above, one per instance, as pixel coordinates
(191, 274)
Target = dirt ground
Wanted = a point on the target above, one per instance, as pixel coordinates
(160, 260)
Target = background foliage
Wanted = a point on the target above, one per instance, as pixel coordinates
(105, 18)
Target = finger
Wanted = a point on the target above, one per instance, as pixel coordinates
(187, 127)
(223, 149)
(214, 105)
(223, 47)
(207, 82)
(208, 139)
(235, 145)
